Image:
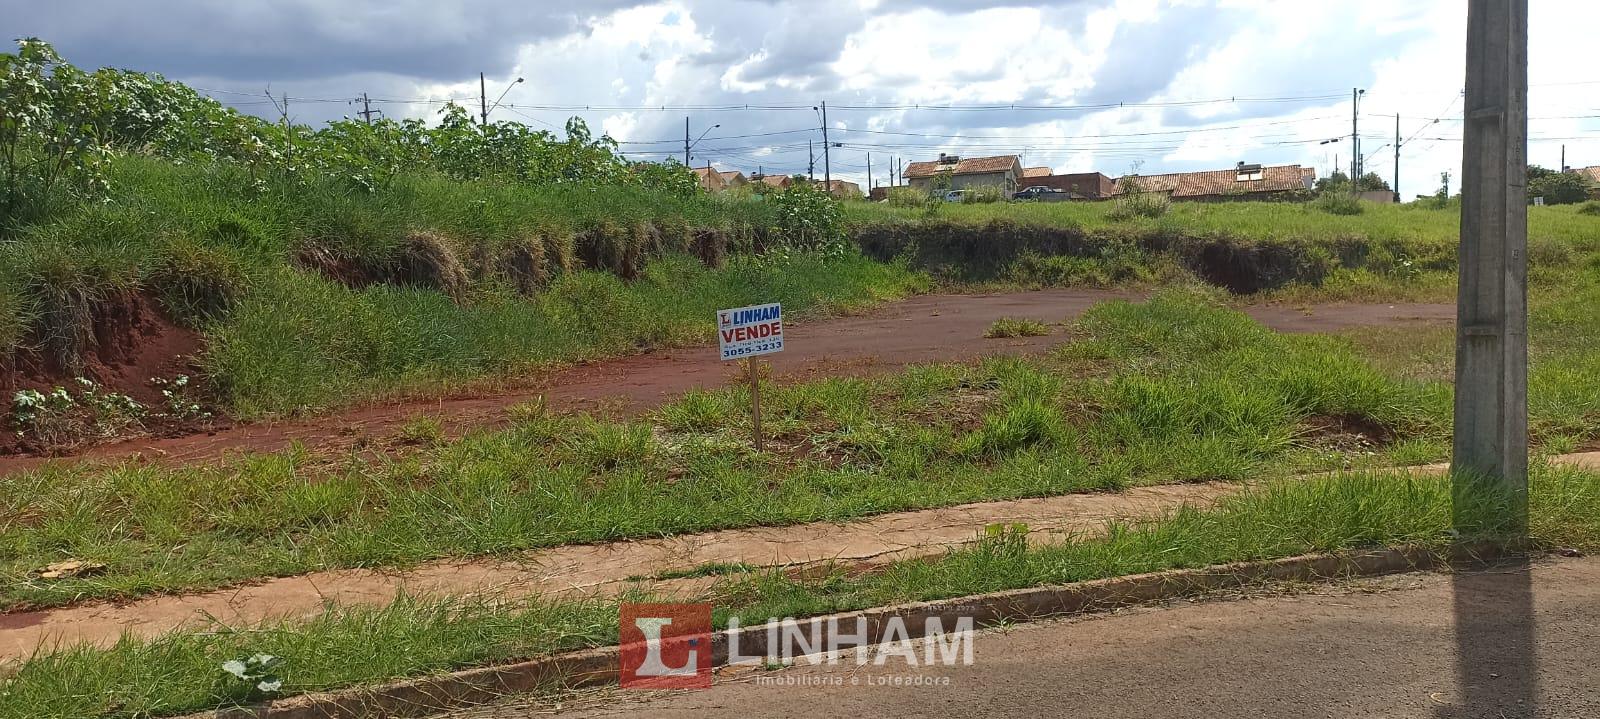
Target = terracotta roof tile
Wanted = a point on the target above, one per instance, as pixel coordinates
(1278, 178)
(1592, 173)
(1036, 172)
(967, 166)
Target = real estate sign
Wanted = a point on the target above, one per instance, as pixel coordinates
(750, 331)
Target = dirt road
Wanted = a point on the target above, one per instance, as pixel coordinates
(1510, 642)
(921, 329)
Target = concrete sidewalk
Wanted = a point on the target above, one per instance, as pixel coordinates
(1376, 648)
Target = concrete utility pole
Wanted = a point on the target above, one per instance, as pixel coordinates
(1355, 137)
(483, 102)
(827, 165)
(366, 108)
(811, 162)
(685, 140)
(1397, 158)
(869, 173)
(1491, 404)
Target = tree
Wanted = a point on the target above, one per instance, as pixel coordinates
(1558, 188)
(1370, 182)
(1340, 182)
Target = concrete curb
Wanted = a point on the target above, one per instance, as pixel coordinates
(599, 666)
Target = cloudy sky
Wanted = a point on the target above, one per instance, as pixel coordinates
(1076, 85)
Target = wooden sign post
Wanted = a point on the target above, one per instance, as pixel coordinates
(755, 399)
(747, 333)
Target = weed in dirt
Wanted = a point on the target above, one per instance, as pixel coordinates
(348, 646)
(420, 430)
(1016, 327)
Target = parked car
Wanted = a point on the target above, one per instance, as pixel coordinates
(1037, 192)
(954, 195)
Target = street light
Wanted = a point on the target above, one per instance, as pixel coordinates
(687, 146)
(503, 96)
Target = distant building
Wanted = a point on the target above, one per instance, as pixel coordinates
(840, 189)
(733, 178)
(778, 181)
(1242, 182)
(1030, 172)
(1592, 174)
(710, 179)
(1003, 171)
(1081, 185)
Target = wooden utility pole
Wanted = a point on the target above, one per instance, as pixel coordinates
(1491, 402)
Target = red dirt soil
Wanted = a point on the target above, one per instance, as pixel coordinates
(133, 343)
(928, 328)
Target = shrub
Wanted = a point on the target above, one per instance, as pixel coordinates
(910, 197)
(1589, 208)
(1139, 204)
(1559, 188)
(982, 194)
(809, 218)
(1339, 203)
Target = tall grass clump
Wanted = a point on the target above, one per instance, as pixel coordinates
(983, 194)
(1136, 204)
(1338, 203)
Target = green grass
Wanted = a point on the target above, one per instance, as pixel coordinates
(1177, 389)
(314, 295)
(1288, 250)
(1171, 390)
(352, 344)
(1015, 327)
(181, 672)
(1258, 221)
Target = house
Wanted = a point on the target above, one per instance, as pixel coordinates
(1242, 182)
(710, 179)
(778, 181)
(1081, 185)
(733, 178)
(1031, 172)
(840, 189)
(1592, 174)
(1003, 171)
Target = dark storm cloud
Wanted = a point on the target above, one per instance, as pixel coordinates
(263, 40)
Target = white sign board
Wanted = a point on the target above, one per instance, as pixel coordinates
(750, 331)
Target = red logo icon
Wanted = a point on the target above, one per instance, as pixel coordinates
(665, 646)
